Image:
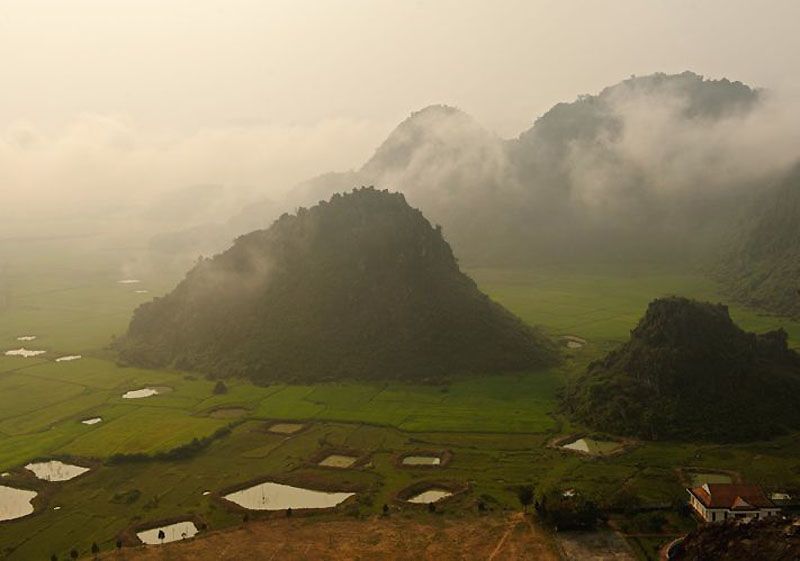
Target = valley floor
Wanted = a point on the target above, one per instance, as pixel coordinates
(496, 430)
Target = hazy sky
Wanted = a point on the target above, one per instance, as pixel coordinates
(201, 63)
(101, 98)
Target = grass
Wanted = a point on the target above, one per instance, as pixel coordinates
(497, 426)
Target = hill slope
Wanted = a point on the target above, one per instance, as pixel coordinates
(763, 269)
(688, 372)
(776, 539)
(361, 286)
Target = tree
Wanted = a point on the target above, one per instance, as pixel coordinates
(289, 512)
(573, 512)
(220, 388)
(54, 557)
(95, 549)
(385, 510)
(73, 553)
(525, 496)
(161, 536)
(431, 507)
(119, 544)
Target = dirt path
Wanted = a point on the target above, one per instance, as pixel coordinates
(414, 537)
(512, 523)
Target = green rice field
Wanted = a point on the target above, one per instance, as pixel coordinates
(497, 427)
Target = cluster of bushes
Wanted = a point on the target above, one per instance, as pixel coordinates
(566, 511)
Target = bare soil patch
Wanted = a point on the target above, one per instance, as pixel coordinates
(397, 537)
(601, 545)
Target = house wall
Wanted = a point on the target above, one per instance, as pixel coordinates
(720, 514)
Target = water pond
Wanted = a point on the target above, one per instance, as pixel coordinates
(573, 341)
(286, 428)
(422, 461)
(144, 392)
(430, 496)
(592, 446)
(55, 470)
(15, 503)
(276, 496)
(24, 353)
(228, 413)
(702, 477)
(172, 533)
(339, 461)
(68, 358)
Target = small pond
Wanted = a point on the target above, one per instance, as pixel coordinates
(172, 533)
(92, 421)
(15, 503)
(285, 428)
(430, 496)
(339, 461)
(702, 477)
(27, 338)
(573, 342)
(592, 446)
(422, 461)
(68, 358)
(276, 496)
(228, 413)
(144, 392)
(55, 470)
(24, 353)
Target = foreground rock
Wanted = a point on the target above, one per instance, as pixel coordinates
(362, 287)
(688, 372)
(775, 539)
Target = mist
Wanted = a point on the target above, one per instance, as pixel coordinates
(102, 168)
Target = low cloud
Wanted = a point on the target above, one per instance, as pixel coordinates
(100, 165)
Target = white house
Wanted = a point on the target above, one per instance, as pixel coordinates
(715, 502)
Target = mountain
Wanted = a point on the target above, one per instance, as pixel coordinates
(688, 372)
(361, 286)
(639, 170)
(763, 267)
(642, 170)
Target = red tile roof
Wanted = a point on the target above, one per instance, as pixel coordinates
(732, 496)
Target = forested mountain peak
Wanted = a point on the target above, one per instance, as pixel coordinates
(359, 286)
(688, 372)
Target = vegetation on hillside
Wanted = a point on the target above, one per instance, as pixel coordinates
(359, 287)
(688, 372)
(763, 268)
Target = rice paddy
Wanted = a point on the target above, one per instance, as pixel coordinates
(497, 428)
